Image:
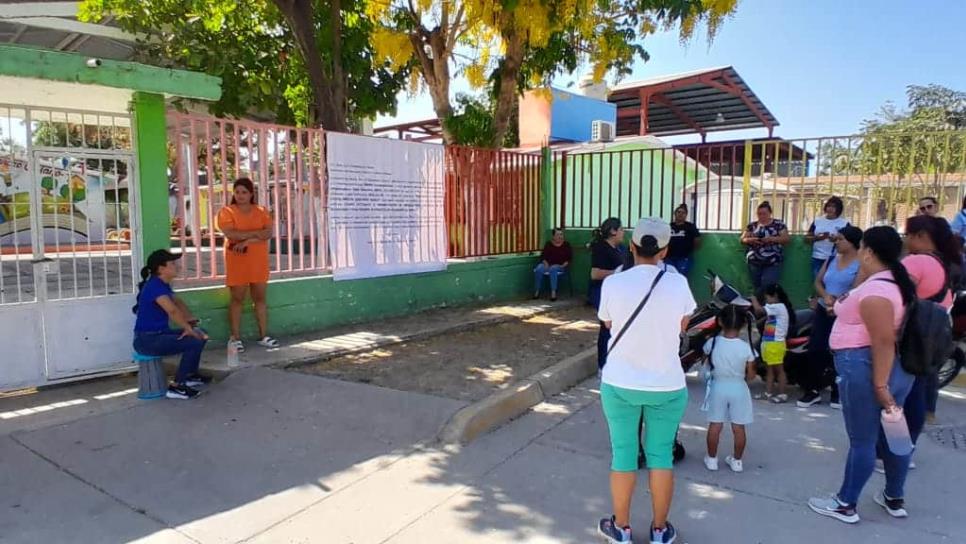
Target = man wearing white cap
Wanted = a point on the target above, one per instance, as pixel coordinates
(646, 310)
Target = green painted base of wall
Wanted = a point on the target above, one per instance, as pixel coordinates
(723, 253)
(307, 304)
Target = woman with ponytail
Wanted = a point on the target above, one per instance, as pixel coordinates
(871, 378)
(156, 306)
(934, 261)
(607, 255)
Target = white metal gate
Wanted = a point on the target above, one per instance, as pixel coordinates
(67, 245)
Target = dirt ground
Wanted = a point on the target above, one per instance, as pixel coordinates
(470, 365)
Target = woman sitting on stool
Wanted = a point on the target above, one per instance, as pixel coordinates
(156, 305)
(554, 261)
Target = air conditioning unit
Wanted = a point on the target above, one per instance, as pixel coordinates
(601, 131)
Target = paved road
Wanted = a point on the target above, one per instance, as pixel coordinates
(269, 456)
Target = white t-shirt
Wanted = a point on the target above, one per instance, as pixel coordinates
(731, 356)
(660, 264)
(822, 225)
(646, 359)
(776, 326)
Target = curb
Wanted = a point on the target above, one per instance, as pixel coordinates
(505, 405)
(220, 371)
(959, 380)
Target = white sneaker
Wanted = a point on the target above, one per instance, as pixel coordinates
(711, 463)
(238, 345)
(895, 507)
(735, 464)
(268, 342)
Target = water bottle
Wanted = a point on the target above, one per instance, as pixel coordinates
(232, 354)
(896, 431)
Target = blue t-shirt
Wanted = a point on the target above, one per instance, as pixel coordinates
(151, 317)
(959, 224)
(838, 282)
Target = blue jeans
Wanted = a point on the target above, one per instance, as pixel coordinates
(165, 343)
(861, 412)
(554, 271)
(762, 275)
(681, 264)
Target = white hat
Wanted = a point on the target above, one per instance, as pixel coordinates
(657, 229)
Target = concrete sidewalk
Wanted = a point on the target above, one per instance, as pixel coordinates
(331, 343)
(276, 457)
(67, 402)
(254, 450)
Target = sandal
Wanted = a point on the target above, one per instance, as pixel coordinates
(238, 345)
(268, 342)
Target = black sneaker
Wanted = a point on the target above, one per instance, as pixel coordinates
(181, 391)
(810, 398)
(895, 507)
(197, 380)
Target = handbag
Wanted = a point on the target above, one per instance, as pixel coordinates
(635, 314)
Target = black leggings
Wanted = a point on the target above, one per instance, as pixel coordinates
(819, 371)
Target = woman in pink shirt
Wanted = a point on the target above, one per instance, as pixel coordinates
(870, 375)
(934, 253)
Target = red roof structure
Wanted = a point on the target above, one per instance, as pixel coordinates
(698, 102)
(414, 131)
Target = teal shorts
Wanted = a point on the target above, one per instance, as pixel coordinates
(662, 412)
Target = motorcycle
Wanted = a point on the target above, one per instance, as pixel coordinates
(956, 360)
(703, 325)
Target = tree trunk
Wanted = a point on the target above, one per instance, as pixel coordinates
(436, 74)
(339, 81)
(330, 108)
(506, 97)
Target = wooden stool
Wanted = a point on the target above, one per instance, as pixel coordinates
(152, 382)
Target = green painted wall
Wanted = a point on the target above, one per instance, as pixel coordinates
(307, 304)
(152, 156)
(20, 61)
(723, 253)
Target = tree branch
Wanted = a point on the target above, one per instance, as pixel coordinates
(456, 32)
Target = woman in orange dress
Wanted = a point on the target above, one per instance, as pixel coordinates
(248, 227)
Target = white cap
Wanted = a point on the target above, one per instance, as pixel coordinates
(657, 229)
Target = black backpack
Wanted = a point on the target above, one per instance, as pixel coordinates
(925, 339)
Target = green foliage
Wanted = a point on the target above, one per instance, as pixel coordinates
(922, 141)
(472, 123)
(251, 48)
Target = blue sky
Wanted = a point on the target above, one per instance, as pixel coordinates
(821, 66)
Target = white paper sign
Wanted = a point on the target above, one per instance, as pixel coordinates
(385, 206)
